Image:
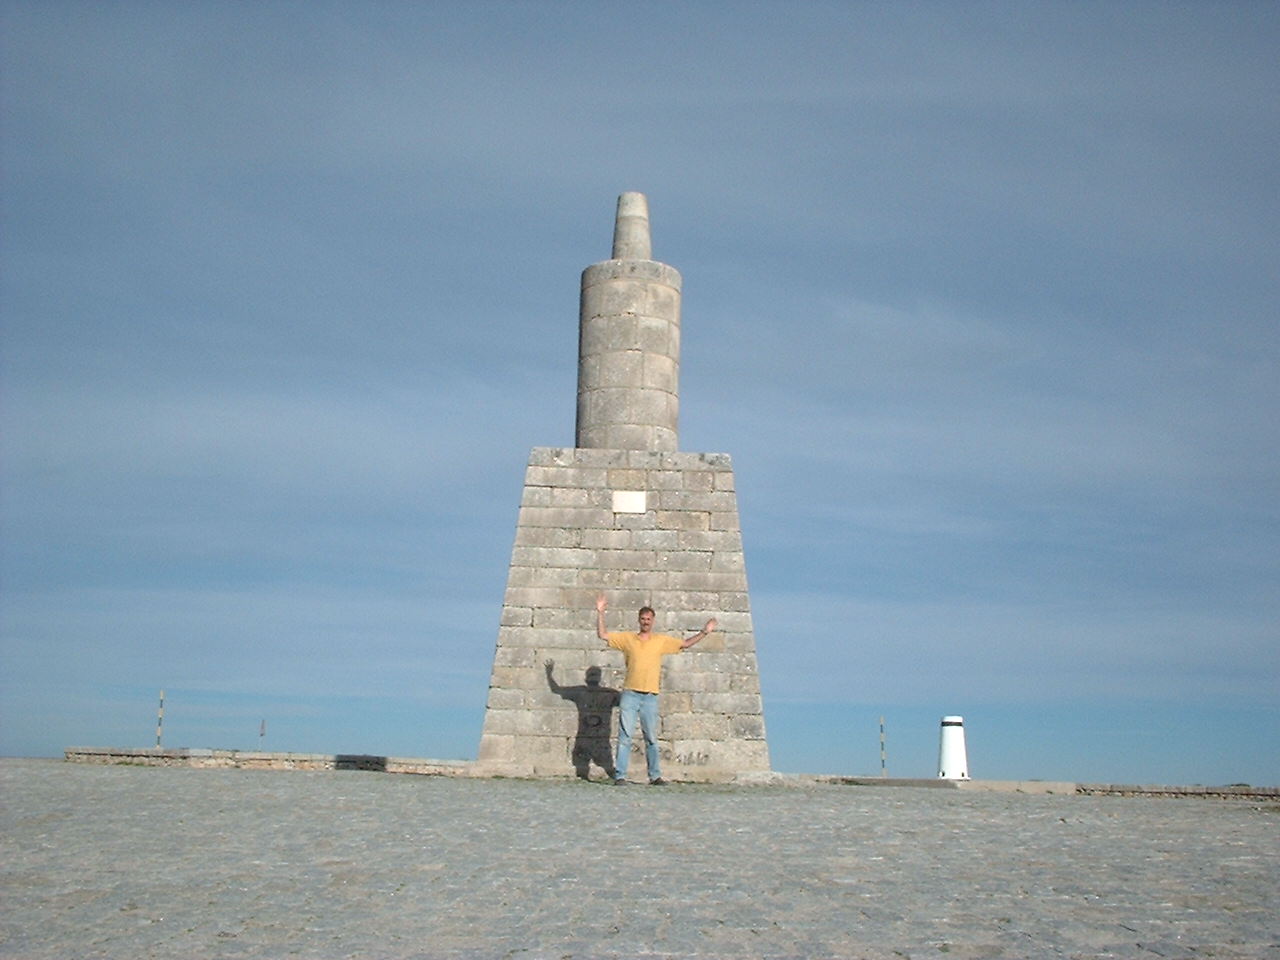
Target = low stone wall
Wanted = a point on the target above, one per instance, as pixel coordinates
(1240, 791)
(938, 783)
(262, 760)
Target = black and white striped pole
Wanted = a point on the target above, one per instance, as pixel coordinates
(884, 768)
(160, 720)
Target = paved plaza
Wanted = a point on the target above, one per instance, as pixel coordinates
(133, 862)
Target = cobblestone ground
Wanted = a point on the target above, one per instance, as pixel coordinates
(131, 862)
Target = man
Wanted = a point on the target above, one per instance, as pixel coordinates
(643, 652)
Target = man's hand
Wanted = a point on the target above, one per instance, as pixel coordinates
(550, 665)
(601, 603)
(702, 634)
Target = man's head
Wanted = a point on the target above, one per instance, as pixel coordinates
(646, 619)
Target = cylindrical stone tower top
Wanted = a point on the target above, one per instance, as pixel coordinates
(631, 228)
(629, 342)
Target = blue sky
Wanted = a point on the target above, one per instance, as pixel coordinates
(981, 298)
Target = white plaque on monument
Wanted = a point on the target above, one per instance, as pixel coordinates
(629, 501)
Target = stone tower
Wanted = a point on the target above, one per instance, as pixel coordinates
(625, 513)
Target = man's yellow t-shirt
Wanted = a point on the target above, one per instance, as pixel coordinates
(644, 657)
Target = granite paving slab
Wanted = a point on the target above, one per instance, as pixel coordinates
(133, 862)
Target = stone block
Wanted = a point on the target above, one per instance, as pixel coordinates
(697, 682)
(637, 560)
(515, 678)
(601, 334)
(538, 637)
(740, 703)
(709, 501)
(683, 520)
(506, 698)
(691, 753)
(676, 701)
(536, 497)
(739, 642)
(747, 727)
(496, 747)
(713, 643)
(634, 435)
(667, 599)
(643, 581)
(549, 537)
(562, 619)
(659, 336)
(726, 520)
(567, 517)
(636, 521)
(729, 563)
(531, 722)
(535, 597)
(619, 369)
(574, 457)
(570, 663)
(516, 617)
(506, 656)
(577, 497)
(609, 539)
(698, 481)
(650, 273)
(542, 576)
(626, 405)
(695, 726)
(644, 458)
(547, 456)
(554, 557)
(729, 622)
(745, 683)
(706, 582)
(660, 373)
(685, 560)
(715, 540)
(627, 478)
(565, 477)
(666, 540)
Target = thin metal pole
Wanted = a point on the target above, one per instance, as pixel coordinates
(160, 720)
(884, 769)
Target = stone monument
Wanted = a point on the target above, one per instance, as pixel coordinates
(624, 512)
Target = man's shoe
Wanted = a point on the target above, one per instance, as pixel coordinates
(657, 782)
(619, 782)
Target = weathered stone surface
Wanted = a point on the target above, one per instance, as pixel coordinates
(629, 348)
(129, 862)
(625, 513)
(712, 712)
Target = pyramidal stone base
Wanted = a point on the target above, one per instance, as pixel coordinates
(646, 529)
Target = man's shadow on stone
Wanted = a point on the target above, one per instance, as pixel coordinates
(595, 713)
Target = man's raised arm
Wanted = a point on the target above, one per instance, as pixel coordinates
(601, 606)
(702, 634)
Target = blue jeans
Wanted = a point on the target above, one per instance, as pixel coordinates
(633, 703)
